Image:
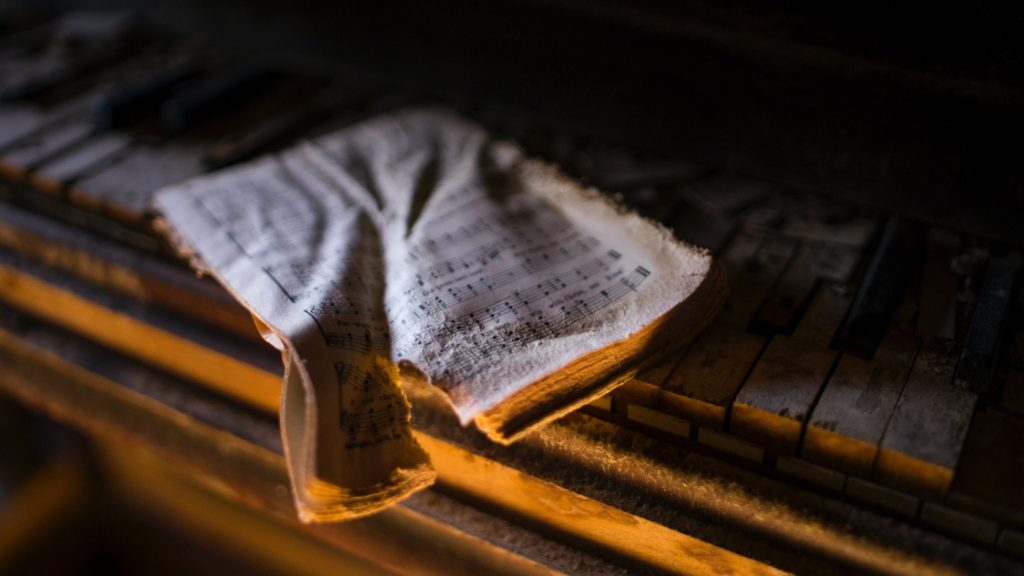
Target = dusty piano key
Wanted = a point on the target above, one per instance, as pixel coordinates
(988, 322)
(702, 386)
(724, 193)
(881, 288)
(850, 417)
(638, 399)
(987, 479)
(775, 400)
(813, 261)
(754, 261)
(19, 159)
(57, 173)
(124, 187)
(211, 96)
(922, 442)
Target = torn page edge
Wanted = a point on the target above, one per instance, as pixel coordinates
(316, 501)
(541, 403)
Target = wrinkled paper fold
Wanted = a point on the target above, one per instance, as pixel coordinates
(414, 243)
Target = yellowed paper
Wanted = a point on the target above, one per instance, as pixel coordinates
(415, 241)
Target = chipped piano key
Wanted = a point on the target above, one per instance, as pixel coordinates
(774, 403)
(881, 288)
(924, 437)
(988, 322)
(850, 417)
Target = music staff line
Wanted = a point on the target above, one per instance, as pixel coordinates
(494, 348)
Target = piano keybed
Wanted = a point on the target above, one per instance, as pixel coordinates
(861, 355)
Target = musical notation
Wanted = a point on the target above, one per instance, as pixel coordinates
(483, 275)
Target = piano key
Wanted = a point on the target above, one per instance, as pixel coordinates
(960, 523)
(724, 193)
(848, 422)
(127, 104)
(811, 472)
(731, 444)
(988, 322)
(644, 388)
(987, 480)
(881, 288)
(922, 443)
(658, 420)
(18, 160)
(894, 500)
(79, 46)
(208, 97)
(780, 311)
(57, 173)
(937, 316)
(702, 386)
(123, 188)
(753, 261)
(820, 220)
(773, 404)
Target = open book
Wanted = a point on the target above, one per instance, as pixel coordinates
(414, 247)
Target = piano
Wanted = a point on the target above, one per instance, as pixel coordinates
(856, 407)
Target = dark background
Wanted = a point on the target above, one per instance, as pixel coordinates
(914, 110)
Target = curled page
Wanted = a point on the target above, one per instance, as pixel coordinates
(413, 247)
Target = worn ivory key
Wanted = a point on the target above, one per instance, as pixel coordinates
(706, 380)
(775, 401)
(849, 419)
(922, 442)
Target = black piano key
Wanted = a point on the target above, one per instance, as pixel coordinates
(974, 371)
(210, 97)
(127, 104)
(865, 325)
